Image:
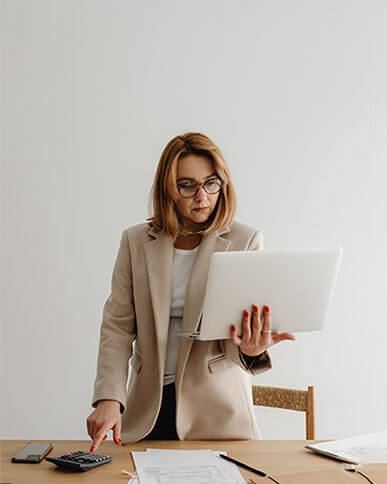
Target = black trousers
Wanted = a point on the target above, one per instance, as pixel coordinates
(165, 426)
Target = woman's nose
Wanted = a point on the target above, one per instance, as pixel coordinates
(201, 194)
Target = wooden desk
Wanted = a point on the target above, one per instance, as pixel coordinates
(288, 461)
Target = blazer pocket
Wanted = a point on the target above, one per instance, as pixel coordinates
(136, 362)
(218, 363)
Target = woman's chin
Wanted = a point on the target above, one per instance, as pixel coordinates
(200, 218)
(196, 222)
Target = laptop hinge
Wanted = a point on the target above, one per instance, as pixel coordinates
(193, 335)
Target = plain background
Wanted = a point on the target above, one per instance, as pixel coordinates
(293, 93)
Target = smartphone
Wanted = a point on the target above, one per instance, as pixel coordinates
(32, 453)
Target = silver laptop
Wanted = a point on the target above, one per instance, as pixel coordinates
(297, 284)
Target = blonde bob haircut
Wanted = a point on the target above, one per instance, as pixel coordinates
(165, 215)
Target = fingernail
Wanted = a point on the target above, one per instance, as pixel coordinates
(91, 449)
(119, 441)
(233, 327)
(245, 313)
(255, 307)
(267, 309)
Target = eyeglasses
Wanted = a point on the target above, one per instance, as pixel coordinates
(190, 189)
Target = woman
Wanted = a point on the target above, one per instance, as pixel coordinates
(178, 388)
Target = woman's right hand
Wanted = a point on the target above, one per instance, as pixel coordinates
(106, 416)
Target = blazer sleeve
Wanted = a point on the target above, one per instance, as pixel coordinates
(257, 364)
(117, 333)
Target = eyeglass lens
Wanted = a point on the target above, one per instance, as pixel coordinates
(190, 189)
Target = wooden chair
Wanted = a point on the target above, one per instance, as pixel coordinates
(299, 400)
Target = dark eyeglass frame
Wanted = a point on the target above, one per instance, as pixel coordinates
(181, 186)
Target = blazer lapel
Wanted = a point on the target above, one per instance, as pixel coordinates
(159, 259)
(194, 297)
(196, 289)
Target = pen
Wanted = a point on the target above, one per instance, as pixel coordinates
(245, 466)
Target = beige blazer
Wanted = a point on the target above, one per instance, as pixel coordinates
(213, 380)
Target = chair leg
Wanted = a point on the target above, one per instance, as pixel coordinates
(310, 418)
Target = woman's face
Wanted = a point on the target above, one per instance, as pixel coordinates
(197, 209)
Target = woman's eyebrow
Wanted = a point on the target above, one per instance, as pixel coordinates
(193, 179)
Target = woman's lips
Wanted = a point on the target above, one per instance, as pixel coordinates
(202, 209)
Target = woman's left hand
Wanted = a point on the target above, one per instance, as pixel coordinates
(257, 337)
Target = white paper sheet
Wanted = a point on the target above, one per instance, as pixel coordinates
(175, 466)
(362, 449)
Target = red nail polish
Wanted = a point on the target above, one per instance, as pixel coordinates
(233, 327)
(91, 449)
(255, 307)
(120, 441)
(267, 309)
(245, 313)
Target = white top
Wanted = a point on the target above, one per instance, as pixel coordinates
(182, 264)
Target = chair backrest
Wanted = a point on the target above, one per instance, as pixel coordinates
(299, 400)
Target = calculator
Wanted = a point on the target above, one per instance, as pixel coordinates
(79, 460)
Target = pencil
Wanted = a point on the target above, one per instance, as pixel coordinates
(245, 466)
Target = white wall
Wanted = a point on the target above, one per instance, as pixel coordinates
(294, 94)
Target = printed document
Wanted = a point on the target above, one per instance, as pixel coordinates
(173, 466)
